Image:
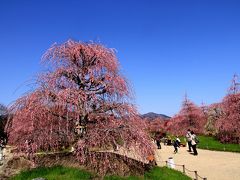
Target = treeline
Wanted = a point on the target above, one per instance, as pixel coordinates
(221, 120)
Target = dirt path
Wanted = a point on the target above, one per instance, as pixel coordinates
(211, 164)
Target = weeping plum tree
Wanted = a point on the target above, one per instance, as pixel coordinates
(82, 91)
(190, 117)
(228, 124)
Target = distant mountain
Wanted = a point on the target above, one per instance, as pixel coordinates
(152, 115)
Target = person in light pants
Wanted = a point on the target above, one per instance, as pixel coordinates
(188, 137)
(194, 143)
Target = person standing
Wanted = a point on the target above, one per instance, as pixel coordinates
(188, 137)
(194, 143)
(1, 151)
(158, 140)
(158, 143)
(176, 144)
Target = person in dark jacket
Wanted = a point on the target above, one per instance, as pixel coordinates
(176, 144)
(158, 137)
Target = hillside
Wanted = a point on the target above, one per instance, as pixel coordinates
(152, 116)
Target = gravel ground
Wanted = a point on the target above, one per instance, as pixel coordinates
(213, 165)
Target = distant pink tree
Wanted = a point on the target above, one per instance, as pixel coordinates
(229, 123)
(82, 91)
(213, 113)
(190, 117)
(155, 125)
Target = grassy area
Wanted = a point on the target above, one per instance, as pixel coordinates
(156, 173)
(65, 173)
(54, 173)
(211, 143)
(165, 173)
(123, 178)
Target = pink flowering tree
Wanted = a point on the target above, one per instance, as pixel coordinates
(156, 127)
(229, 123)
(81, 100)
(213, 113)
(190, 117)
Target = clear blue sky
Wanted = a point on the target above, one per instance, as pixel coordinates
(165, 47)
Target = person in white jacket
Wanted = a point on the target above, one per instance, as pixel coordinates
(193, 143)
(188, 138)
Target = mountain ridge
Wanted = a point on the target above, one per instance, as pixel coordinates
(152, 116)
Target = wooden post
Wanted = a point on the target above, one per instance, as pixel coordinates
(166, 163)
(196, 175)
(183, 169)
